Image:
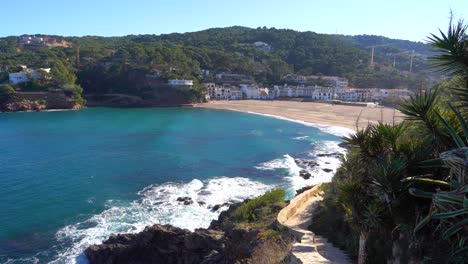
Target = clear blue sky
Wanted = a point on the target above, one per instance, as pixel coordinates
(404, 19)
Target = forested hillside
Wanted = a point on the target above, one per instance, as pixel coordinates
(120, 64)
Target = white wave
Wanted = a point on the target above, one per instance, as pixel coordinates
(325, 154)
(287, 163)
(334, 130)
(158, 205)
(301, 138)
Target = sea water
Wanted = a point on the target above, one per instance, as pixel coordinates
(71, 179)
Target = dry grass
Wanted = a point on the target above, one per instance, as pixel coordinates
(272, 251)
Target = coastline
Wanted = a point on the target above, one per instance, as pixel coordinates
(73, 231)
(334, 130)
(331, 118)
(44, 110)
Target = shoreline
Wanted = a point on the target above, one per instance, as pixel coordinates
(331, 118)
(334, 130)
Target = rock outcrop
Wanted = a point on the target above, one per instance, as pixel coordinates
(161, 244)
(37, 101)
(223, 242)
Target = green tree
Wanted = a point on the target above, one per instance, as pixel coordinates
(61, 75)
(6, 92)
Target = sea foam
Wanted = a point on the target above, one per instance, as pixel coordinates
(325, 154)
(158, 205)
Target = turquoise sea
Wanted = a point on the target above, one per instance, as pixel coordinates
(69, 179)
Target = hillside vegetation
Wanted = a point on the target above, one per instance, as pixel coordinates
(120, 64)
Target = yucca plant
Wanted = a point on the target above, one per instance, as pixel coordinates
(450, 199)
(452, 55)
(449, 193)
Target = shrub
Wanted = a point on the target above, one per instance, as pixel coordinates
(272, 252)
(259, 207)
(6, 92)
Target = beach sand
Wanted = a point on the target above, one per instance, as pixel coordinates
(313, 112)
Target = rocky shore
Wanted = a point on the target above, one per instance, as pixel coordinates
(126, 100)
(38, 101)
(225, 241)
(308, 165)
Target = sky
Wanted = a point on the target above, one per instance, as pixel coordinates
(402, 19)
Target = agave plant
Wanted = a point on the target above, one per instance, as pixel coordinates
(450, 199)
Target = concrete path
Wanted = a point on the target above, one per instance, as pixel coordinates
(311, 249)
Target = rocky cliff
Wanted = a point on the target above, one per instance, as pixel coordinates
(223, 242)
(37, 101)
(162, 244)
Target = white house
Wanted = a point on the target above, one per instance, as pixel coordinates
(225, 92)
(354, 94)
(323, 93)
(331, 81)
(25, 74)
(250, 91)
(380, 94)
(262, 46)
(180, 82)
(18, 77)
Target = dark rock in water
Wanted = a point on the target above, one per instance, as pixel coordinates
(304, 189)
(201, 203)
(305, 174)
(161, 244)
(185, 200)
(312, 164)
(344, 145)
(327, 170)
(218, 206)
(334, 154)
(327, 162)
(204, 192)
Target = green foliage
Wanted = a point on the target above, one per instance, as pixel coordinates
(61, 74)
(452, 57)
(425, 156)
(3, 77)
(119, 64)
(258, 208)
(269, 234)
(6, 92)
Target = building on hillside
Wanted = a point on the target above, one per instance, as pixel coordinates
(274, 92)
(380, 94)
(180, 83)
(18, 77)
(254, 92)
(330, 81)
(224, 92)
(26, 75)
(323, 93)
(301, 91)
(211, 89)
(294, 79)
(230, 78)
(353, 94)
(37, 41)
(262, 46)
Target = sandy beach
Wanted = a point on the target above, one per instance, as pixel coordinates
(312, 112)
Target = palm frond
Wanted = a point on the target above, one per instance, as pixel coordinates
(452, 49)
